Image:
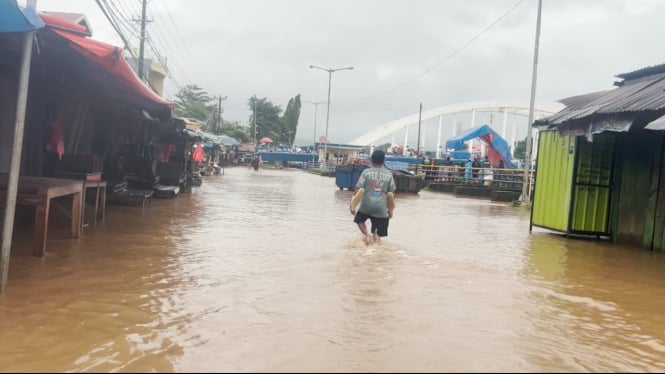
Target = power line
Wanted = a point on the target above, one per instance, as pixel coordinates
(121, 12)
(183, 44)
(115, 26)
(453, 54)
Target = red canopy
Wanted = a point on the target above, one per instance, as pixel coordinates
(265, 140)
(111, 59)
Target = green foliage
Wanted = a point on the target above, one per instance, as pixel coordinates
(520, 149)
(237, 131)
(281, 129)
(265, 115)
(193, 102)
(290, 120)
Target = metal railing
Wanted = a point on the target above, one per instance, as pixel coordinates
(317, 166)
(507, 178)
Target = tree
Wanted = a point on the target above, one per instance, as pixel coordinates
(520, 149)
(290, 120)
(193, 102)
(237, 131)
(268, 121)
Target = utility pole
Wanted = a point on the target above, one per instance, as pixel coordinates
(142, 45)
(420, 114)
(316, 105)
(254, 126)
(219, 113)
(527, 155)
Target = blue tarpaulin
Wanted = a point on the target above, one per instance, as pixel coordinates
(228, 141)
(15, 19)
(498, 148)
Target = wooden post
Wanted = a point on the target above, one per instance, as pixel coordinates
(76, 214)
(15, 163)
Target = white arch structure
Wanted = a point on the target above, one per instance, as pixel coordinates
(513, 107)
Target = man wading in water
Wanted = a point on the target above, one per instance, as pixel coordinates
(375, 191)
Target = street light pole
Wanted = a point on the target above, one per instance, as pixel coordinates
(330, 71)
(316, 106)
(525, 183)
(254, 126)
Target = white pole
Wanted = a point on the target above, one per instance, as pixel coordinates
(325, 146)
(438, 138)
(316, 106)
(513, 139)
(422, 139)
(504, 132)
(15, 163)
(330, 71)
(406, 139)
(527, 166)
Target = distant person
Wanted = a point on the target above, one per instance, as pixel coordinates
(476, 167)
(376, 187)
(255, 163)
(468, 172)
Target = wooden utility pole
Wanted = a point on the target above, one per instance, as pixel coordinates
(142, 42)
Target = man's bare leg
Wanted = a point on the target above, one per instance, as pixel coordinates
(366, 236)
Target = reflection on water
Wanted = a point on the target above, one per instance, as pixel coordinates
(266, 271)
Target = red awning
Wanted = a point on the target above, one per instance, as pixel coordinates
(111, 59)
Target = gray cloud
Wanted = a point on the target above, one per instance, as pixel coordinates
(241, 48)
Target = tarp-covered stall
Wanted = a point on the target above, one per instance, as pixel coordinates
(497, 147)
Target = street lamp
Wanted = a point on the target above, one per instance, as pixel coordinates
(316, 106)
(256, 131)
(330, 71)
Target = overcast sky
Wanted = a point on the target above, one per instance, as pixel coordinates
(239, 48)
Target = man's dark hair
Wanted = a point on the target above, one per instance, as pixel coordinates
(378, 157)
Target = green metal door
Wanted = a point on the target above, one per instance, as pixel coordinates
(554, 181)
(593, 185)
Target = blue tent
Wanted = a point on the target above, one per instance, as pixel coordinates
(498, 148)
(15, 19)
(228, 141)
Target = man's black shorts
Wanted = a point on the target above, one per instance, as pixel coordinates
(379, 225)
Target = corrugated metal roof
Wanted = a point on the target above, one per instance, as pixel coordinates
(643, 72)
(645, 95)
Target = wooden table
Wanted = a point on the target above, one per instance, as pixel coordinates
(38, 192)
(100, 198)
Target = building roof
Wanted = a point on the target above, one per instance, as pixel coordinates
(638, 93)
(77, 18)
(346, 147)
(643, 72)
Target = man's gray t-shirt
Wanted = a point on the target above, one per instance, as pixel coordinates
(377, 182)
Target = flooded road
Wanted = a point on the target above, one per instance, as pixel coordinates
(266, 272)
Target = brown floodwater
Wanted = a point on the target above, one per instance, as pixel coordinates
(266, 272)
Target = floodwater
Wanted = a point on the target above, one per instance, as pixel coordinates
(266, 272)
